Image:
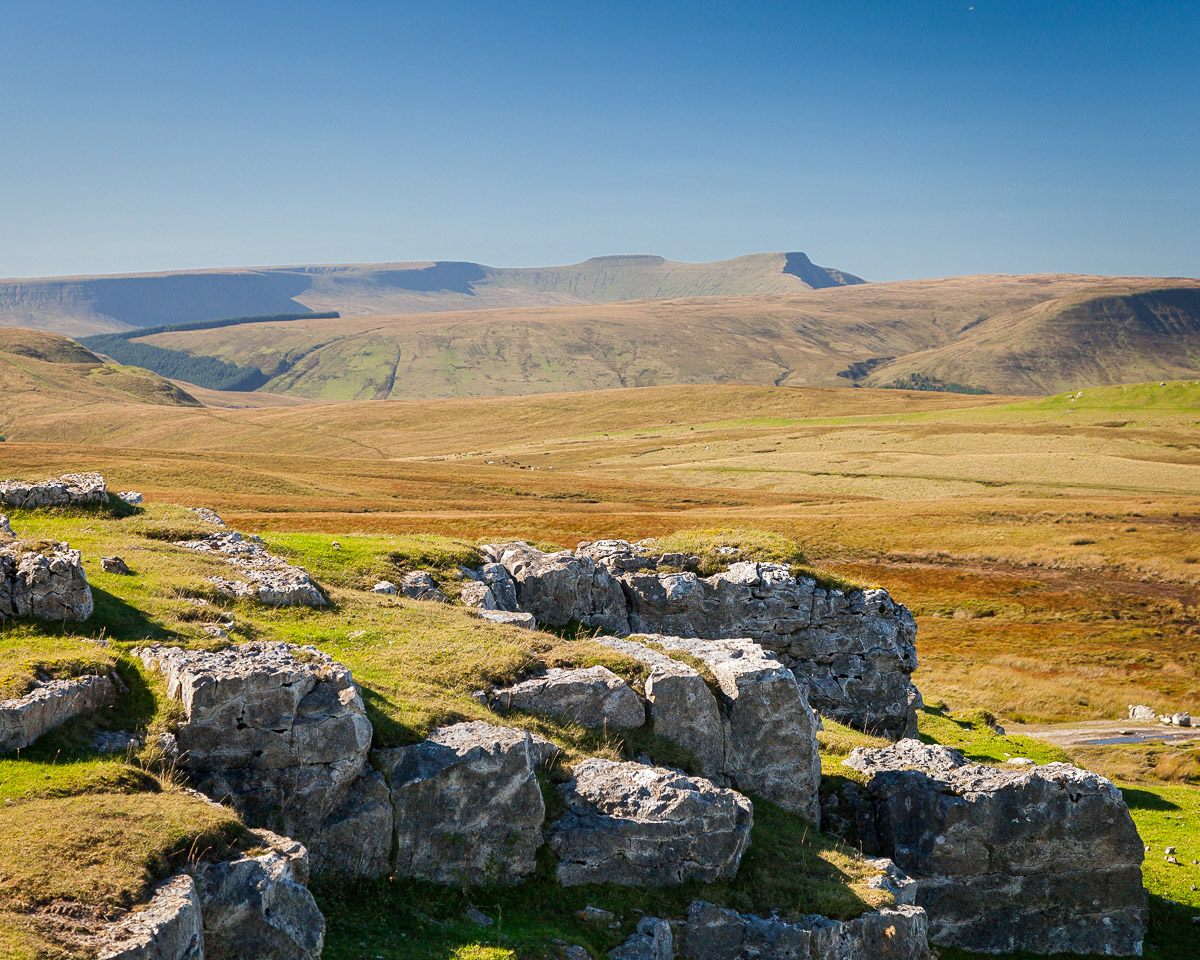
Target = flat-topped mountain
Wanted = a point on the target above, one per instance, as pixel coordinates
(85, 305)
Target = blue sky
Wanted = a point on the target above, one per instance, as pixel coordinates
(892, 140)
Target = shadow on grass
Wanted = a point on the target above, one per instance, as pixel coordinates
(1137, 799)
(123, 621)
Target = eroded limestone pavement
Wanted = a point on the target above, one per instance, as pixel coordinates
(740, 666)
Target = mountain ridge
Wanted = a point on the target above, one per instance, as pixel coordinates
(93, 304)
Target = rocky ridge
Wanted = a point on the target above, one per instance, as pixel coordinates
(267, 578)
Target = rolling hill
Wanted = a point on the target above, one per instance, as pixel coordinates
(1028, 335)
(87, 305)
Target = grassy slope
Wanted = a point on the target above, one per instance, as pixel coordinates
(398, 651)
(803, 338)
(83, 305)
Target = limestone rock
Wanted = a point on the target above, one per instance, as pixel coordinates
(1140, 712)
(69, 490)
(524, 621)
(260, 906)
(6, 530)
(355, 839)
(45, 580)
(1045, 858)
(714, 933)
(115, 741)
(770, 741)
(559, 588)
(280, 730)
(131, 497)
(419, 585)
(268, 579)
(680, 705)
(204, 513)
(170, 927)
(854, 651)
(385, 587)
(904, 755)
(651, 941)
(478, 594)
(50, 705)
(593, 697)
(635, 825)
(467, 805)
(115, 565)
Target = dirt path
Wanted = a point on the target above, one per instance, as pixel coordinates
(1093, 733)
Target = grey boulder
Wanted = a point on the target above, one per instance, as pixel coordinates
(592, 697)
(69, 490)
(635, 825)
(170, 927)
(50, 705)
(43, 580)
(468, 808)
(651, 941)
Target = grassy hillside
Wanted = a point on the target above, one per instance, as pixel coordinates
(874, 334)
(44, 373)
(1070, 342)
(90, 305)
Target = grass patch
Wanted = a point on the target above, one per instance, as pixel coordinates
(972, 734)
(31, 652)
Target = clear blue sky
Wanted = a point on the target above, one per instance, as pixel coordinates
(891, 139)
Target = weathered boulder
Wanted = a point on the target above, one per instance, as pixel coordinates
(279, 730)
(115, 565)
(903, 755)
(131, 497)
(43, 579)
(385, 588)
(419, 585)
(890, 933)
(268, 579)
(635, 825)
(6, 530)
(769, 730)
(524, 621)
(559, 588)
(681, 706)
(69, 490)
(170, 927)
(211, 516)
(853, 650)
(476, 593)
(355, 838)
(651, 941)
(1043, 858)
(467, 805)
(50, 705)
(593, 697)
(1141, 712)
(260, 906)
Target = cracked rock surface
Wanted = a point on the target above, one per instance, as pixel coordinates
(267, 578)
(593, 697)
(636, 825)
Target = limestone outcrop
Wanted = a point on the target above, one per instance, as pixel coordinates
(467, 805)
(49, 705)
(903, 755)
(524, 621)
(280, 731)
(419, 585)
(559, 588)
(43, 579)
(890, 933)
(1042, 858)
(260, 906)
(6, 530)
(769, 740)
(635, 825)
(853, 649)
(681, 707)
(652, 940)
(266, 577)
(593, 697)
(170, 927)
(69, 490)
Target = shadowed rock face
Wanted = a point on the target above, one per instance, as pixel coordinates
(45, 581)
(635, 825)
(852, 651)
(1045, 859)
(593, 697)
(468, 807)
(281, 731)
(714, 933)
(50, 705)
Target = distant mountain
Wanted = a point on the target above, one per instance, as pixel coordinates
(1036, 334)
(88, 305)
